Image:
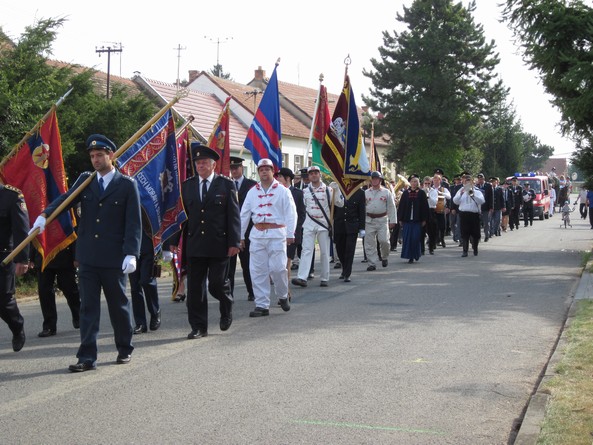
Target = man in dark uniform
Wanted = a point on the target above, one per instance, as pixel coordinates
(143, 285)
(285, 177)
(242, 185)
(108, 244)
(14, 224)
(212, 236)
(349, 223)
(517, 193)
(486, 189)
(528, 198)
(60, 269)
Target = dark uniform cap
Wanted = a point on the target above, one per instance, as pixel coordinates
(376, 175)
(100, 142)
(413, 175)
(236, 161)
(493, 178)
(286, 172)
(199, 151)
(480, 175)
(439, 171)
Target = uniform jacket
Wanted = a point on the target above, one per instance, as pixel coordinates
(14, 223)
(297, 196)
(213, 225)
(351, 218)
(110, 227)
(246, 185)
(498, 202)
(486, 189)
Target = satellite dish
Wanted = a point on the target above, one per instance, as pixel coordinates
(574, 176)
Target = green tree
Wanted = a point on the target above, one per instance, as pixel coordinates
(556, 37)
(434, 83)
(30, 84)
(219, 72)
(535, 154)
(503, 151)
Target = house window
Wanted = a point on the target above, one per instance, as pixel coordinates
(285, 160)
(298, 162)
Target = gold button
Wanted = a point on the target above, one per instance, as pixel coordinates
(96, 236)
(98, 220)
(202, 232)
(100, 204)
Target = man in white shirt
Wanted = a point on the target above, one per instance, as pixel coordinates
(469, 199)
(270, 206)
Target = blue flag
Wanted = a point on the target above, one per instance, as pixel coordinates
(264, 138)
(356, 161)
(153, 162)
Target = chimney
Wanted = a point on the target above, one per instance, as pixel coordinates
(259, 74)
(193, 74)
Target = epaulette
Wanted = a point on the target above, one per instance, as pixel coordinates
(190, 178)
(86, 174)
(13, 189)
(226, 177)
(128, 177)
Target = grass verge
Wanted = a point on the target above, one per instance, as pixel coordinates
(569, 413)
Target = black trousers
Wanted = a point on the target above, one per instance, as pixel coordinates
(143, 287)
(583, 210)
(471, 230)
(432, 230)
(9, 311)
(244, 259)
(514, 217)
(528, 214)
(216, 271)
(345, 248)
(66, 282)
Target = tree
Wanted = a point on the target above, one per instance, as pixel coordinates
(219, 72)
(30, 84)
(434, 83)
(557, 37)
(535, 153)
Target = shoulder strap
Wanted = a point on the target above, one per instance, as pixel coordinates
(321, 208)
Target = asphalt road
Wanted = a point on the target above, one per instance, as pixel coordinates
(444, 351)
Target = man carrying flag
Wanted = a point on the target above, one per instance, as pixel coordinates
(219, 140)
(264, 136)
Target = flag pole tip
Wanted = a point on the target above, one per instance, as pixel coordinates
(321, 77)
(278, 61)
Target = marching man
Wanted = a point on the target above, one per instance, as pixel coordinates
(270, 206)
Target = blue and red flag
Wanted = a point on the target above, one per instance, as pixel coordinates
(220, 141)
(264, 138)
(37, 169)
(153, 161)
(356, 162)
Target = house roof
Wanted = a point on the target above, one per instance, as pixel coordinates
(561, 165)
(204, 107)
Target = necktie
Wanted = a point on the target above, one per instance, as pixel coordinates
(204, 188)
(101, 186)
(237, 185)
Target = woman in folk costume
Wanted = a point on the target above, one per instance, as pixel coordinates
(413, 215)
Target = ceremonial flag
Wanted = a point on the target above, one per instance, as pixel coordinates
(356, 162)
(37, 169)
(152, 160)
(264, 136)
(320, 127)
(333, 151)
(186, 167)
(220, 142)
(375, 161)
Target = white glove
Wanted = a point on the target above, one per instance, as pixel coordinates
(129, 264)
(167, 256)
(361, 233)
(334, 185)
(38, 224)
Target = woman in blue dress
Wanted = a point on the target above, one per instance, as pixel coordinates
(413, 215)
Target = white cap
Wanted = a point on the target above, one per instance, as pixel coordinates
(313, 168)
(265, 162)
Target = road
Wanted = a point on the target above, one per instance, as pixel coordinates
(444, 351)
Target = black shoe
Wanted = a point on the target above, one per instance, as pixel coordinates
(323, 284)
(347, 280)
(443, 244)
(140, 329)
(123, 359)
(81, 367)
(284, 304)
(299, 282)
(76, 323)
(47, 333)
(155, 321)
(411, 260)
(197, 333)
(250, 297)
(475, 251)
(179, 298)
(259, 312)
(225, 322)
(338, 265)
(294, 267)
(18, 341)
(371, 268)
(431, 252)
(364, 261)
(464, 254)
(341, 277)
(311, 276)
(486, 239)
(384, 263)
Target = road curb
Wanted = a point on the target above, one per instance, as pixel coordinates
(530, 428)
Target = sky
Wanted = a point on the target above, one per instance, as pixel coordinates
(310, 39)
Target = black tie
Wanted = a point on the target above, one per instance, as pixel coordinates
(204, 189)
(101, 186)
(237, 185)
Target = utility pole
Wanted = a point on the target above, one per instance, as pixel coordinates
(108, 50)
(254, 93)
(178, 49)
(218, 41)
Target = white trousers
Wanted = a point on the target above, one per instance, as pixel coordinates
(267, 259)
(376, 229)
(309, 236)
